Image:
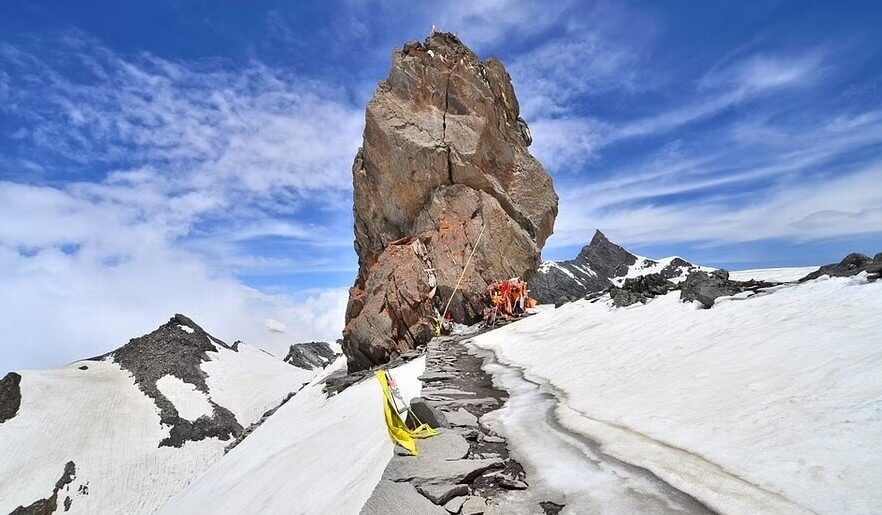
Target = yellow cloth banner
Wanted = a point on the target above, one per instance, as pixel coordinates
(398, 430)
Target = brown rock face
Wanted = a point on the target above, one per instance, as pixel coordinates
(444, 156)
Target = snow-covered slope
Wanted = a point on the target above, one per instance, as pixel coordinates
(781, 275)
(314, 455)
(138, 424)
(771, 403)
(599, 265)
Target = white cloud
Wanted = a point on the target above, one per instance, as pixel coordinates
(122, 279)
(833, 206)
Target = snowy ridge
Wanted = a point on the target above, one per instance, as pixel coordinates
(93, 413)
(766, 404)
(314, 455)
(672, 268)
(599, 265)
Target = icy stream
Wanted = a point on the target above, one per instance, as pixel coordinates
(564, 467)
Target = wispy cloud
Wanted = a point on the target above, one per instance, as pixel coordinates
(179, 169)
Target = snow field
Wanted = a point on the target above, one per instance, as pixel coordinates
(766, 404)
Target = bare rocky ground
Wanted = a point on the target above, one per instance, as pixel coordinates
(466, 466)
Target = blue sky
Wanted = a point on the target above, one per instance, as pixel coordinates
(195, 156)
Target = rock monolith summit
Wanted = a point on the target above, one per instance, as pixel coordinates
(444, 162)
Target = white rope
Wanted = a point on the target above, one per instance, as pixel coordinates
(464, 268)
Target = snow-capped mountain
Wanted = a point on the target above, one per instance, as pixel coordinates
(123, 432)
(599, 265)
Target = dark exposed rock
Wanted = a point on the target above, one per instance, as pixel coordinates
(444, 162)
(591, 271)
(10, 396)
(676, 268)
(640, 289)
(707, 287)
(850, 265)
(48, 505)
(173, 350)
(551, 508)
(310, 355)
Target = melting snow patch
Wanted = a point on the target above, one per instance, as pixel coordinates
(190, 402)
(186, 328)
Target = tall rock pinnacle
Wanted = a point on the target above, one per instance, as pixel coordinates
(444, 156)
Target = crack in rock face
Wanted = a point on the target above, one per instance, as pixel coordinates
(177, 348)
(444, 157)
(10, 396)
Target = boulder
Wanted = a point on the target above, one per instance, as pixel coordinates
(707, 287)
(311, 355)
(427, 414)
(444, 162)
(10, 396)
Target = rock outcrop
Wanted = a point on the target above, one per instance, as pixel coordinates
(707, 287)
(311, 355)
(444, 163)
(640, 289)
(10, 396)
(850, 265)
(177, 348)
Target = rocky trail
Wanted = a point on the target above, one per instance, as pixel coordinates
(467, 466)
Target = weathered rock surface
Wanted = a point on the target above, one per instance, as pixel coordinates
(850, 265)
(310, 355)
(423, 471)
(591, 271)
(444, 162)
(441, 494)
(391, 498)
(10, 396)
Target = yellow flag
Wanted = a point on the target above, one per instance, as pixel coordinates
(398, 430)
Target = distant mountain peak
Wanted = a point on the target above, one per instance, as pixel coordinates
(599, 265)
